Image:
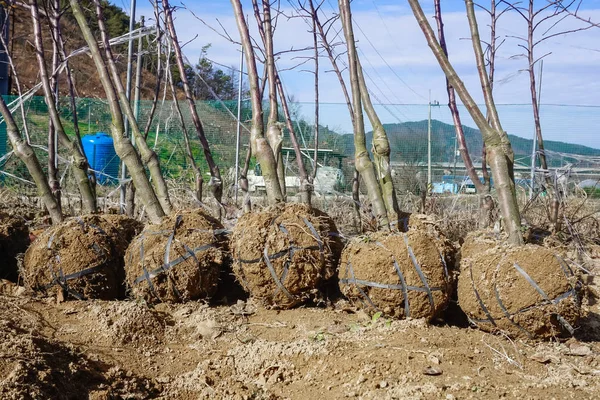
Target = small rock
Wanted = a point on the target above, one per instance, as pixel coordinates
(576, 349)
(450, 397)
(383, 384)
(432, 371)
(544, 358)
(361, 379)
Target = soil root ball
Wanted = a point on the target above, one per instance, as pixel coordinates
(399, 274)
(76, 259)
(14, 239)
(283, 255)
(178, 260)
(525, 291)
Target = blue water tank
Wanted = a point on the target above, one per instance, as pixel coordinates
(102, 157)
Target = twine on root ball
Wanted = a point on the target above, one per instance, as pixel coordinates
(76, 257)
(526, 292)
(283, 255)
(401, 275)
(178, 260)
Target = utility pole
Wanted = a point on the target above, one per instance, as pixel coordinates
(128, 94)
(429, 178)
(239, 123)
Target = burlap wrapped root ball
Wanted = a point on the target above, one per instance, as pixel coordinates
(178, 260)
(524, 291)
(14, 239)
(399, 274)
(283, 255)
(78, 259)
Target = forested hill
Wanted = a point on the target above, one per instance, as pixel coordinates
(408, 142)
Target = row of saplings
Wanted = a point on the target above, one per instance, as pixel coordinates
(287, 255)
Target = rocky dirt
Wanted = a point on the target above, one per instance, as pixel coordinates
(124, 349)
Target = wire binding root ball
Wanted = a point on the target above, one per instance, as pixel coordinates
(76, 259)
(284, 255)
(527, 292)
(178, 260)
(399, 274)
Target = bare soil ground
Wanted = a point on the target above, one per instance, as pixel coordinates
(126, 349)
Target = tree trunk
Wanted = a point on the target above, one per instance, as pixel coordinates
(274, 131)
(148, 156)
(498, 149)
(216, 183)
(80, 165)
(482, 189)
(362, 160)
(26, 154)
(260, 147)
(381, 153)
(123, 146)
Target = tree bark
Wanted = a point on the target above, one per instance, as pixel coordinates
(381, 153)
(497, 149)
(260, 146)
(305, 187)
(123, 146)
(26, 154)
(482, 189)
(361, 156)
(80, 165)
(148, 156)
(274, 131)
(216, 183)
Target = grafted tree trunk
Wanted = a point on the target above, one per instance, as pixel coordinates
(80, 164)
(148, 156)
(260, 146)
(216, 183)
(381, 153)
(499, 151)
(274, 131)
(361, 156)
(26, 154)
(123, 146)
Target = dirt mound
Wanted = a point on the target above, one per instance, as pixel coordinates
(177, 260)
(401, 275)
(14, 239)
(76, 259)
(283, 255)
(526, 292)
(33, 366)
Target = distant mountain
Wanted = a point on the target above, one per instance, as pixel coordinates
(408, 142)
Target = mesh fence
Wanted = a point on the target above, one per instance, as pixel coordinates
(571, 137)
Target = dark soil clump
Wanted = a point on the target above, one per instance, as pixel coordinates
(75, 259)
(399, 274)
(14, 239)
(178, 260)
(525, 292)
(284, 255)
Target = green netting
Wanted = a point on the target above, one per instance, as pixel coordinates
(570, 134)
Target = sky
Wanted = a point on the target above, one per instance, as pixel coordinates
(401, 71)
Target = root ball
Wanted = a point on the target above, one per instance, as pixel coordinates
(283, 255)
(177, 260)
(524, 291)
(399, 274)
